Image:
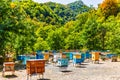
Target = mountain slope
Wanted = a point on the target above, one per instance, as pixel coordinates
(78, 7)
(61, 10)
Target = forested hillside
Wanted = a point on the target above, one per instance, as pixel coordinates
(79, 7)
(28, 26)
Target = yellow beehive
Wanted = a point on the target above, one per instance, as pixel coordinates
(95, 56)
(46, 56)
(77, 56)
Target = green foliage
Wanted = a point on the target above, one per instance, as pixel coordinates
(63, 11)
(68, 12)
(56, 39)
(27, 26)
(74, 41)
(79, 7)
(41, 44)
(41, 12)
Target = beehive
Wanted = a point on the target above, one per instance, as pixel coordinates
(114, 58)
(8, 66)
(82, 57)
(67, 55)
(87, 55)
(35, 66)
(63, 62)
(95, 56)
(71, 56)
(9, 59)
(25, 60)
(20, 57)
(39, 56)
(77, 61)
(46, 56)
(77, 56)
(63, 56)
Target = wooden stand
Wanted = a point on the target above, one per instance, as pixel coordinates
(8, 66)
(35, 66)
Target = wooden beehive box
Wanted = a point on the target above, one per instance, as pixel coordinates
(35, 66)
(40, 66)
(9, 59)
(77, 56)
(46, 56)
(8, 66)
(95, 56)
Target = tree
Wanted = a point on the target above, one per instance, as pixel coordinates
(74, 41)
(55, 39)
(41, 44)
(109, 7)
(15, 28)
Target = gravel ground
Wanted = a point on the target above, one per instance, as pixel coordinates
(106, 70)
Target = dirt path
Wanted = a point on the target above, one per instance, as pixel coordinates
(87, 71)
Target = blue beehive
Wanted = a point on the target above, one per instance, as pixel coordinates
(110, 55)
(25, 60)
(77, 61)
(71, 55)
(20, 57)
(82, 57)
(39, 56)
(63, 62)
(87, 55)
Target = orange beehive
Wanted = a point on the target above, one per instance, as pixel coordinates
(77, 56)
(35, 66)
(95, 56)
(46, 56)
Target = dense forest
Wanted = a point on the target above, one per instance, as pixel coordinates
(27, 26)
